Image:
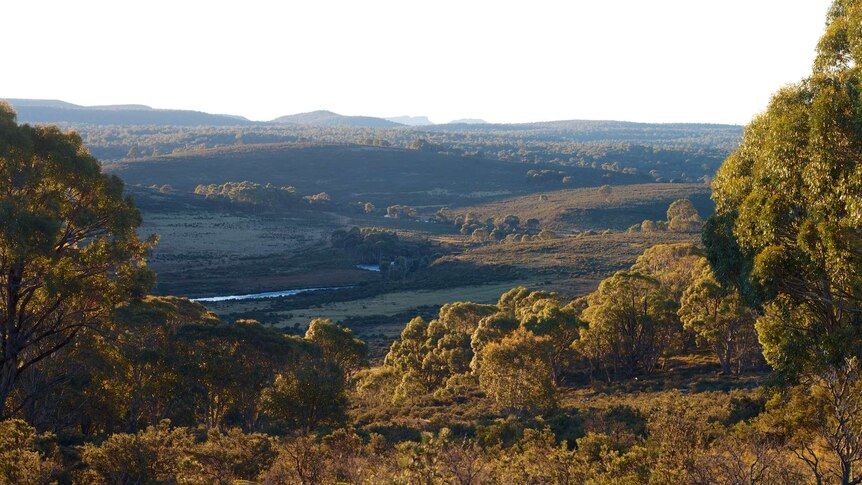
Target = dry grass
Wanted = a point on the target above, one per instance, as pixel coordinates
(586, 208)
(595, 256)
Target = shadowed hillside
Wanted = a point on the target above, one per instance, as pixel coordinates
(354, 172)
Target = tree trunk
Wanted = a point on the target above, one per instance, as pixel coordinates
(8, 375)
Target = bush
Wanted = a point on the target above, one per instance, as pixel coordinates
(26, 457)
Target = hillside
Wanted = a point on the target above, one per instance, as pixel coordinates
(383, 176)
(328, 118)
(605, 131)
(53, 111)
(586, 208)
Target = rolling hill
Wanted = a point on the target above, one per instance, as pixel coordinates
(328, 118)
(55, 111)
(348, 173)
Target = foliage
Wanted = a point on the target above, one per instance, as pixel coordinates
(26, 457)
(427, 355)
(790, 195)
(683, 217)
(253, 194)
(309, 395)
(629, 323)
(721, 320)
(155, 454)
(69, 248)
(163, 454)
(442, 353)
(339, 345)
(401, 212)
(819, 421)
(166, 357)
(517, 374)
(397, 257)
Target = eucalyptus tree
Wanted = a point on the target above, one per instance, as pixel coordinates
(69, 248)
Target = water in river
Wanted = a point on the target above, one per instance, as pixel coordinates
(268, 294)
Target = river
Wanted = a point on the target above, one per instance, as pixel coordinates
(268, 294)
(283, 293)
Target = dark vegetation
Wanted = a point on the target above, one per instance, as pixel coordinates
(350, 173)
(715, 348)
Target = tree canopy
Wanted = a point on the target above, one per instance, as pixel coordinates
(791, 197)
(69, 250)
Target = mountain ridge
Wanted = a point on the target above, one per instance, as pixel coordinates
(58, 111)
(329, 118)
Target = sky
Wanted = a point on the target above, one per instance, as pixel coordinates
(501, 61)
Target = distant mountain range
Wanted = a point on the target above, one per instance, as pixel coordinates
(328, 118)
(55, 111)
(468, 121)
(411, 120)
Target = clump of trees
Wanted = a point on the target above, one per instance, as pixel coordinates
(507, 228)
(250, 193)
(397, 258)
(548, 176)
(657, 308)
(360, 207)
(169, 358)
(268, 196)
(401, 212)
(682, 216)
(451, 350)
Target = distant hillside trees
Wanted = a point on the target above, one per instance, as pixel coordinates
(509, 228)
(397, 258)
(251, 193)
(401, 212)
(360, 207)
(682, 216)
(267, 196)
(321, 200)
(547, 176)
(422, 145)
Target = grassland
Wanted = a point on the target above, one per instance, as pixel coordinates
(585, 208)
(594, 256)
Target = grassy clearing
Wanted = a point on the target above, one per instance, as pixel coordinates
(595, 256)
(586, 208)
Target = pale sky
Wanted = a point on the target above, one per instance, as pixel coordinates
(536, 60)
